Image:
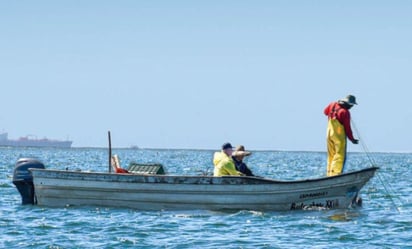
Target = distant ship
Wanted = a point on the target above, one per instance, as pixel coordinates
(32, 142)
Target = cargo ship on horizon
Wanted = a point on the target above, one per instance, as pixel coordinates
(32, 142)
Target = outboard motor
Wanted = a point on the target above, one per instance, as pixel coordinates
(23, 179)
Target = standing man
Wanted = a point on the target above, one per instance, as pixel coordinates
(339, 129)
(223, 162)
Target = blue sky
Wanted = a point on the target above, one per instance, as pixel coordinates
(195, 74)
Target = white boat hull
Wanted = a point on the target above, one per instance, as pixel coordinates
(166, 192)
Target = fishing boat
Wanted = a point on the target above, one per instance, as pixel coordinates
(147, 187)
(31, 141)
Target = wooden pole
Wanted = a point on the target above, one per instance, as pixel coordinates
(110, 152)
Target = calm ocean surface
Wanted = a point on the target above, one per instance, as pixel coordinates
(384, 221)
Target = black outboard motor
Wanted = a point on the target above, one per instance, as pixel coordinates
(23, 179)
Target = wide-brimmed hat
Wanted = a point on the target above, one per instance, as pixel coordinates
(350, 100)
(240, 151)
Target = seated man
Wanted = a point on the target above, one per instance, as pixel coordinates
(238, 155)
(223, 162)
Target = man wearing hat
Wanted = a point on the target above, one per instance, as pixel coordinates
(223, 162)
(338, 130)
(238, 155)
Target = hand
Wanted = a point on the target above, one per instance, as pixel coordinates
(355, 141)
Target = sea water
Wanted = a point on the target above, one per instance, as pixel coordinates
(384, 221)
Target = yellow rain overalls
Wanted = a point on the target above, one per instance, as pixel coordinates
(336, 141)
(337, 133)
(224, 165)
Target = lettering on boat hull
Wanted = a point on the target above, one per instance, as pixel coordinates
(325, 204)
(311, 195)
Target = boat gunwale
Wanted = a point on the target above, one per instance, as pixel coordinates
(240, 179)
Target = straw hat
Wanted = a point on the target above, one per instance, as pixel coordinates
(240, 151)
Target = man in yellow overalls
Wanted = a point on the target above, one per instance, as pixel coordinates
(223, 162)
(339, 129)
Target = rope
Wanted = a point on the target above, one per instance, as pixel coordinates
(372, 161)
(363, 144)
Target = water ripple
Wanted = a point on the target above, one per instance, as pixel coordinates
(385, 220)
